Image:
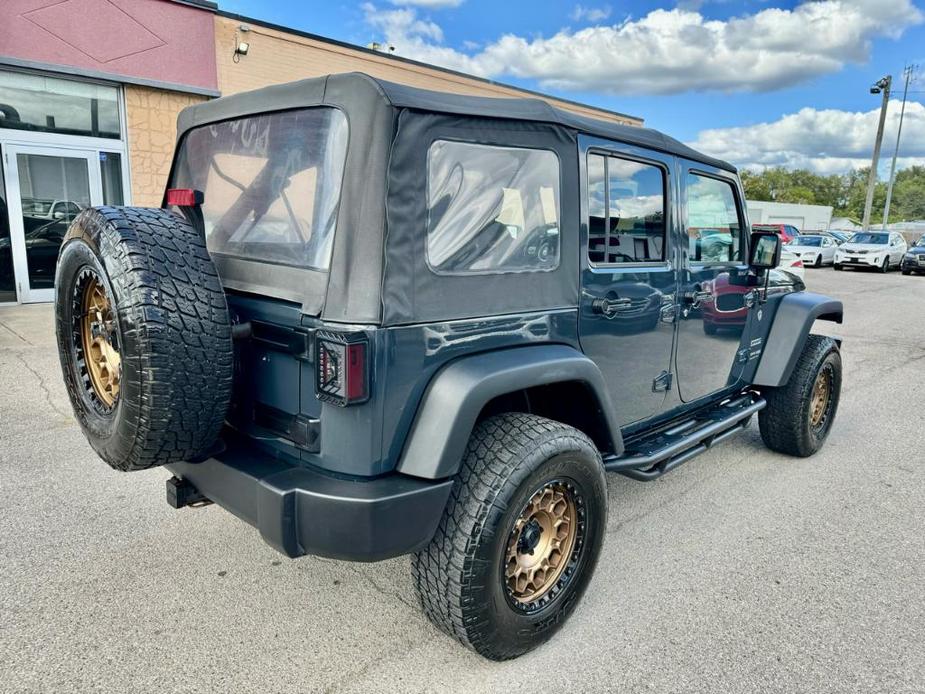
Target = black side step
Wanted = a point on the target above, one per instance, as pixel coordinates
(651, 458)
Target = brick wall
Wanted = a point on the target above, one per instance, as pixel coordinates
(152, 133)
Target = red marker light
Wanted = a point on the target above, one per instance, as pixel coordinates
(184, 197)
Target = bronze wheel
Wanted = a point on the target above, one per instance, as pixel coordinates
(98, 340)
(541, 543)
(543, 546)
(822, 395)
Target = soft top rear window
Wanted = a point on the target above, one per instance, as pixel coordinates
(271, 184)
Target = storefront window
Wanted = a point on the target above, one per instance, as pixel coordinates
(7, 279)
(111, 175)
(48, 104)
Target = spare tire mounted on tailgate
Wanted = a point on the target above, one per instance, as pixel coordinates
(144, 336)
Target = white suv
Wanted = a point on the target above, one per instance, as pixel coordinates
(879, 249)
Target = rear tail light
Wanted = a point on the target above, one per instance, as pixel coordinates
(342, 369)
(798, 263)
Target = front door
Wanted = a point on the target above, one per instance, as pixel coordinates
(45, 189)
(714, 302)
(627, 309)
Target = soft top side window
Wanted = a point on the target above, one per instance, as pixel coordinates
(626, 211)
(491, 209)
(714, 229)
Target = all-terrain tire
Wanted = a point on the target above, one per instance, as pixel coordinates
(787, 423)
(460, 576)
(166, 320)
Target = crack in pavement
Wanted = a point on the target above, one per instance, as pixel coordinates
(43, 386)
(4, 325)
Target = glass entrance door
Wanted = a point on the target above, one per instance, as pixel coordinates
(46, 188)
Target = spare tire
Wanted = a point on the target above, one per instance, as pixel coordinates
(144, 336)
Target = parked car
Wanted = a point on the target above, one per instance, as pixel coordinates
(841, 236)
(424, 352)
(792, 263)
(914, 259)
(785, 231)
(837, 236)
(882, 250)
(813, 250)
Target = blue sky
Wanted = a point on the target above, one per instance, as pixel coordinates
(760, 82)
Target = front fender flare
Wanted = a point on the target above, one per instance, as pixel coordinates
(793, 321)
(458, 392)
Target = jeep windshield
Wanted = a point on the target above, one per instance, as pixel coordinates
(271, 184)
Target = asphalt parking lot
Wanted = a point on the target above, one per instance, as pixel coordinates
(742, 571)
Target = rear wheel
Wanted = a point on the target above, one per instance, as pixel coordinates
(799, 415)
(143, 335)
(519, 539)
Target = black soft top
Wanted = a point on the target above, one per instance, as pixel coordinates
(378, 273)
(315, 90)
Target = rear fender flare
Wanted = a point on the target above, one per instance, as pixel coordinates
(792, 324)
(456, 395)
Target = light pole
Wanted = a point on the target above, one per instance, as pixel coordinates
(882, 86)
(908, 71)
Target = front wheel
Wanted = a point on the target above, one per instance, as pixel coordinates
(837, 266)
(519, 539)
(799, 415)
(885, 268)
(818, 262)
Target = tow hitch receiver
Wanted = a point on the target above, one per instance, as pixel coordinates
(181, 493)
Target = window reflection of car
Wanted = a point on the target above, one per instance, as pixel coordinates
(728, 309)
(37, 212)
(714, 245)
(42, 244)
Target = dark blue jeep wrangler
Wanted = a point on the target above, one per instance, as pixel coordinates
(373, 320)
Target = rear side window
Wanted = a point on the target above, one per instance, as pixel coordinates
(271, 184)
(491, 209)
(713, 228)
(626, 221)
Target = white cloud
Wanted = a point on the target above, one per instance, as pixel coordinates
(671, 51)
(430, 4)
(402, 23)
(825, 141)
(590, 14)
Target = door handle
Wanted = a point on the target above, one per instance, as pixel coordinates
(697, 297)
(609, 307)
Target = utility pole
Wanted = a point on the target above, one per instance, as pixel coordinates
(883, 86)
(908, 71)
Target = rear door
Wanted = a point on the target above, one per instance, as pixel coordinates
(713, 313)
(628, 273)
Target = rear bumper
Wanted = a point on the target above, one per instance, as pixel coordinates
(301, 511)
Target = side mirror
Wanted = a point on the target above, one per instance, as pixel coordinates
(764, 251)
(58, 215)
